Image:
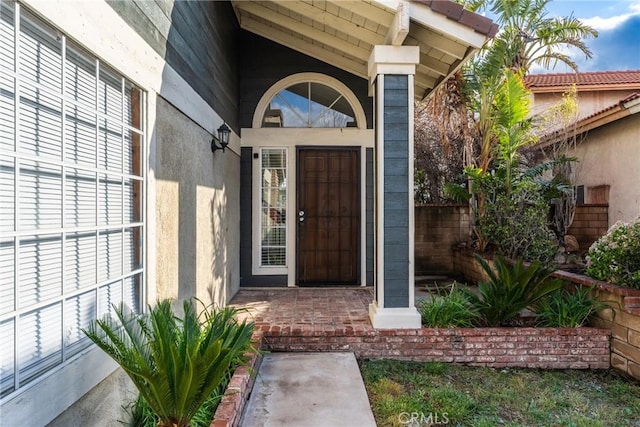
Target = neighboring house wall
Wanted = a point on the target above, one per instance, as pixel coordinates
(610, 155)
(589, 101)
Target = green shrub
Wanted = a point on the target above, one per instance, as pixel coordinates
(449, 311)
(516, 222)
(564, 309)
(510, 289)
(175, 363)
(615, 257)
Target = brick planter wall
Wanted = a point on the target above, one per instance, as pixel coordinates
(551, 348)
(438, 229)
(624, 325)
(232, 404)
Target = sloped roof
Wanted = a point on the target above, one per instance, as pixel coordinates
(590, 80)
(625, 107)
(619, 104)
(344, 32)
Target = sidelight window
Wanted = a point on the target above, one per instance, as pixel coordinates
(273, 232)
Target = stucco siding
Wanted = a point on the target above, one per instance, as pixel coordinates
(103, 407)
(197, 212)
(589, 102)
(610, 155)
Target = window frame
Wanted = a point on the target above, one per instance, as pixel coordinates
(86, 362)
(337, 85)
(257, 266)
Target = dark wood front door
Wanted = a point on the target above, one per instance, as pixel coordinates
(328, 216)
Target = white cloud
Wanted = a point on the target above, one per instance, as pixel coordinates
(604, 24)
(612, 22)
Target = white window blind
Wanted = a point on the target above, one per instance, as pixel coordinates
(273, 231)
(71, 192)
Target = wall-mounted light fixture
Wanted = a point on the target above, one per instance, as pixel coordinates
(221, 141)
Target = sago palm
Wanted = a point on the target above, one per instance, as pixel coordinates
(511, 288)
(174, 363)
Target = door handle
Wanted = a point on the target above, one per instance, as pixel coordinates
(301, 216)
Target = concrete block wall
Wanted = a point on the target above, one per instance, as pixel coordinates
(625, 328)
(590, 222)
(438, 229)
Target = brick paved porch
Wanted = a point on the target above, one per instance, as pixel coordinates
(337, 319)
(307, 311)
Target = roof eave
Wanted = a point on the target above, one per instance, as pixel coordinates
(584, 88)
(609, 115)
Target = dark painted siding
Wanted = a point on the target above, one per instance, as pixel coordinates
(396, 188)
(199, 39)
(264, 63)
(369, 215)
(246, 242)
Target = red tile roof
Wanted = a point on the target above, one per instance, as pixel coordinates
(458, 13)
(597, 78)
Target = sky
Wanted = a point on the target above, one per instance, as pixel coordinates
(617, 46)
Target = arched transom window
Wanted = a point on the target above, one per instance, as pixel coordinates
(309, 104)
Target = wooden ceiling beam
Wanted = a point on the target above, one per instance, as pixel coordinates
(399, 29)
(314, 51)
(258, 10)
(327, 19)
(366, 10)
(432, 40)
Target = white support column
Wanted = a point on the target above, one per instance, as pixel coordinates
(391, 71)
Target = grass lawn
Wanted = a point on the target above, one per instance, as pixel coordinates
(471, 396)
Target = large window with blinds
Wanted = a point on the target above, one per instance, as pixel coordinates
(71, 192)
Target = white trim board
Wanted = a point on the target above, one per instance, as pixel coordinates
(40, 402)
(335, 137)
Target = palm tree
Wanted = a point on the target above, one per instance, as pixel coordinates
(534, 38)
(528, 37)
(174, 363)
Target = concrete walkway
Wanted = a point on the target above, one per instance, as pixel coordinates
(308, 390)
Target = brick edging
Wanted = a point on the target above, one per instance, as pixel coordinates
(545, 348)
(239, 388)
